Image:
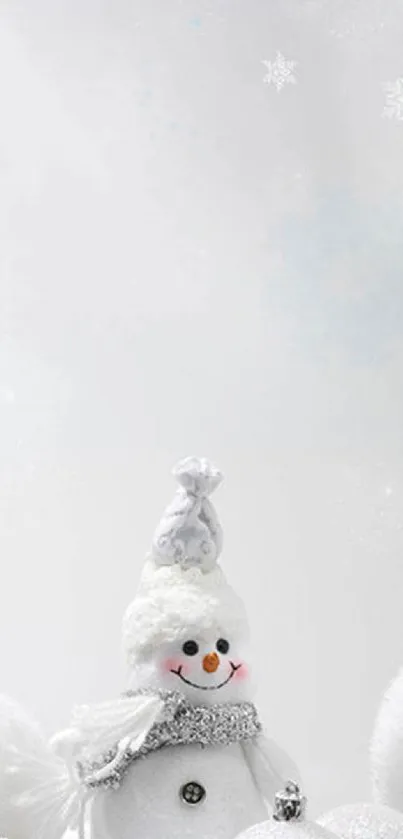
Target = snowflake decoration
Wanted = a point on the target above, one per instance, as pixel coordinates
(394, 99)
(280, 72)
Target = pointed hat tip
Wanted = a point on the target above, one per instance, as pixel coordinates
(197, 475)
(189, 532)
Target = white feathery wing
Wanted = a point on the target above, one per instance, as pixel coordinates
(100, 728)
(40, 793)
(270, 765)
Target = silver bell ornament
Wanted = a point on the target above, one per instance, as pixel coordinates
(288, 820)
(289, 804)
(364, 821)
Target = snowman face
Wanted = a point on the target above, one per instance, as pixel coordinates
(206, 669)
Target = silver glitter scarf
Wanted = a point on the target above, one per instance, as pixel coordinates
(183, 724)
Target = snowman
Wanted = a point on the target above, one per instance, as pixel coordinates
(182, 753)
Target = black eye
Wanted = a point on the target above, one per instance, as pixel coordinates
(222, 646)
(190, 648)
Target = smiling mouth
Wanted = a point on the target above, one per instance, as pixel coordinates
(234, 668)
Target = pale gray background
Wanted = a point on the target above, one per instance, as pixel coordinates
(194, 262)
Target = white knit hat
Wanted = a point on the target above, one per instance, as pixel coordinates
(182, 587)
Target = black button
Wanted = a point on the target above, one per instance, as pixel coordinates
(192, 793)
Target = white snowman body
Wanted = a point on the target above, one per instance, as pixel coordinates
(194, 790)
(150, 804)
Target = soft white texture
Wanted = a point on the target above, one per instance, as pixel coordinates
(287, 830)
(387, 748)
(364, 821)
(173, 604)
(148, 804)
(100, 727)
(39, 796)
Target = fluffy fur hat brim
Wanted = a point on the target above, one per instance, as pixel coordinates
(173, 603)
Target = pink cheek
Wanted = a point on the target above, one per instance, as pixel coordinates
(173, 664)
(242, 673)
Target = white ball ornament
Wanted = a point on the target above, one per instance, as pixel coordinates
(288, 820)
(364, 821)
(387, 748)
(287, 830)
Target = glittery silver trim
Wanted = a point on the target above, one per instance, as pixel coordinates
(182, 724)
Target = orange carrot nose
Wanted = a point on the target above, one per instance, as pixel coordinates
(211, 662)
